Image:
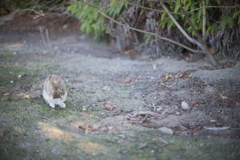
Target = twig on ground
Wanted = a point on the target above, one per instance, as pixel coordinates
(165, 142)
(142, 146)
(163, 113)
(216, 129)
(146, 116)
(154, 107)
(45, 118)
(144, 104)
(150, 113)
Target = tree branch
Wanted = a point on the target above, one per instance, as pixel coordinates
(180, 12)
(150, 8)
(180, 28)
(190, 23)
(204, 22)
(150, 33)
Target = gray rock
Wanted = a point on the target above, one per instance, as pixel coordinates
(185, 105)
(165, 130)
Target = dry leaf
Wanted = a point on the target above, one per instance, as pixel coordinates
(107, 105)
(196, 92)
(6, 94)
(224, 97)
(26, 96)
(167, 77)
(196, 105)
(127, 81)
(160, 63)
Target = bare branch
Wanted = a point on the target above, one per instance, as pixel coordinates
(146, 116)
(204, 22)
(179, 5)
(150, 8)
(194, 41)
(190, 23)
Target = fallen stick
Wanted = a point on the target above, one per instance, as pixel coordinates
(154, 107)
(216, 129)
(146, 116)
(147, 112)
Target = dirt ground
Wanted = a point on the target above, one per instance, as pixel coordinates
(119, 106)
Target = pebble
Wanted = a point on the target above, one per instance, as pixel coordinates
(178, 113)
(106, 88)
(154, 66)
(166, 130)
(185, 105)
(159, 109)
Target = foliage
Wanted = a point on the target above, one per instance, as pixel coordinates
(94, 22)
(219, 21)
(226, 19)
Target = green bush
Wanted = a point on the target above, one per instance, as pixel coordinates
(196, 17)
(94, 22)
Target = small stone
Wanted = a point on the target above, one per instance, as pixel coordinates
(106, 88)
(176, 107)
(178, 113)
(121, 135)
(185, 105)
(65, 26)
(159, 109)
(165, 130)
(84, 108)
(154, 66)
(110, 127)
(11, 81)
